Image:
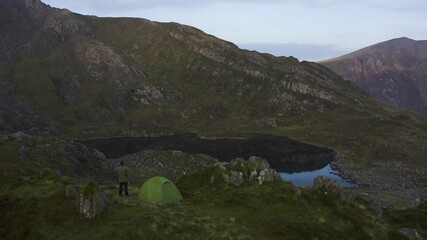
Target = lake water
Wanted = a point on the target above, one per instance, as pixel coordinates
(305, 179)
(296, 161)
(283, 154)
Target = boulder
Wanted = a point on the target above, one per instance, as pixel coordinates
(89, 201)
(93, 204)
(322, 182)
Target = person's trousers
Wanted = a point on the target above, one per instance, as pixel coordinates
(123, 186)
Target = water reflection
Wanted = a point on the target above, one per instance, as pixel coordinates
(283, 154)
(305, 179)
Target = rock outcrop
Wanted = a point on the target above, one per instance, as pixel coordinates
(254, 171)
(90, 201)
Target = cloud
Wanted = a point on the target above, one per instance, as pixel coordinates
(308, 52)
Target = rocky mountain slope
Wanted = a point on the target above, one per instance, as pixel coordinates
(94, 73)
(394, 72)
(100, 77)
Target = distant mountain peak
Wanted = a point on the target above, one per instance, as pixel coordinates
(402, 39)
(394, 71)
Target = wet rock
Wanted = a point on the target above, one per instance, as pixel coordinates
(322, 182)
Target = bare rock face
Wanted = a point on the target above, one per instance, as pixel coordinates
(90, 201)
(394, 72)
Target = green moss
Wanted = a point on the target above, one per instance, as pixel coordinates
(90, 189)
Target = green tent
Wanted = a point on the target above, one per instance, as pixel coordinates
(159, 190)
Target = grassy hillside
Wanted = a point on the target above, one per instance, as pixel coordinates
(101, 77)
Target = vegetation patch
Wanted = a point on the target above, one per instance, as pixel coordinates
(90, 189)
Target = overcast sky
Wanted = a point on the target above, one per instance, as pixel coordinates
(307, 29)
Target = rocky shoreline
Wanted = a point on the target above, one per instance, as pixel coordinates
(385, 184)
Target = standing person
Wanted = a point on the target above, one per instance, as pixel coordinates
(123, 173)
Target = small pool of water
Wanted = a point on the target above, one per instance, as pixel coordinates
(305, 179)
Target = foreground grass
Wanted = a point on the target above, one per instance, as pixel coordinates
(33, 206)
(36, 208)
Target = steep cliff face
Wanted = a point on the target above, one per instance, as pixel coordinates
(394, 72)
